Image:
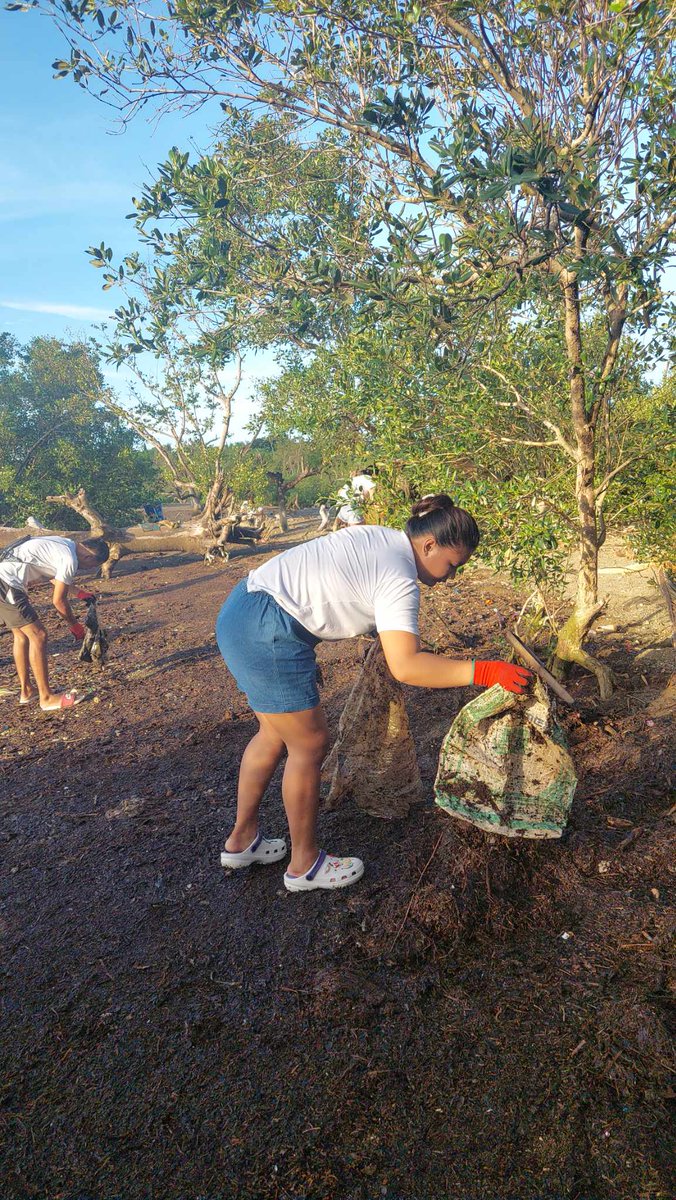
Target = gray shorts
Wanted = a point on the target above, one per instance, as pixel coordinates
(18, 611)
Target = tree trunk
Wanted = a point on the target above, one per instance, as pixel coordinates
(185, 489)
(219, 505)
(373, 758)
(282, 488)
(587, 607)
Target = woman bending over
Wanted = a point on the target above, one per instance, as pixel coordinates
(362, 579)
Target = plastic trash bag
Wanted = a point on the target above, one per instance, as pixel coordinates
(505, 768)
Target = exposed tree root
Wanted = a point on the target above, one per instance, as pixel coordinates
(569, 648)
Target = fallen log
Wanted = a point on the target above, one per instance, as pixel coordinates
(195, 537)
(133, 540)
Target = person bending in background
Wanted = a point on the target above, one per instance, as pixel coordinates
(353, 497)
(57, 559)
(267, 631)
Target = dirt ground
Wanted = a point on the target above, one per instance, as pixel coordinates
(477, 1019)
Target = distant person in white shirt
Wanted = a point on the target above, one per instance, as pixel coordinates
(354, 496)
(366, 580)
(57, 559)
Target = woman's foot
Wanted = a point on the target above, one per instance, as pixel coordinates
(262, 850)
(241, 838)
(56, 703)
(28, 695)
(326, 872)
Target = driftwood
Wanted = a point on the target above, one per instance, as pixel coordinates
(373, 759)
(199, 536)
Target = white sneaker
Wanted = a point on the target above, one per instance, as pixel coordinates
(326, 872)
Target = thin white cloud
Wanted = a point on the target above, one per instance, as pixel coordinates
(79, 312)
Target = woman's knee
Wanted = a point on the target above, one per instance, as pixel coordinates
(312, 748)
(304, 735)
(268, 739)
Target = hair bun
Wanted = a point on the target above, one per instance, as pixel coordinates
(431, 503)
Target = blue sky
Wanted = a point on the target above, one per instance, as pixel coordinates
(67, 176)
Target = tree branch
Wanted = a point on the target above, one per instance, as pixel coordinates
(600, 491)
(28, 456)
(521, 404)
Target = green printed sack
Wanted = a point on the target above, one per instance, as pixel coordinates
(504, 766)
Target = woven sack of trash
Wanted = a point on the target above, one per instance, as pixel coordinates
(373, 758)
(505, 768)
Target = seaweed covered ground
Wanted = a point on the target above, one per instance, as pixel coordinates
(478, 1019)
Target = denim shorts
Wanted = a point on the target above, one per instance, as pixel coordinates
(270, 654)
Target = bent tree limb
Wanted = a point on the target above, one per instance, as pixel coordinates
(80, 503)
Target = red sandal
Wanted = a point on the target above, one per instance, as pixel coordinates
(67, 700)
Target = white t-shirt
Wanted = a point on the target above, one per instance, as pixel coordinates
(354, 495)
(349, 515)
(40, 558)
(360, 488)
(351, 582)
(363, 485)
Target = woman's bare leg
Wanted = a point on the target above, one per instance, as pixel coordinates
(257, 767)
(306, 738)
(307, 741)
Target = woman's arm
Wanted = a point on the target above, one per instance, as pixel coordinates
(409, 664)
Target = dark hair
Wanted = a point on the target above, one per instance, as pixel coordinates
(437, 516)
(97, 547)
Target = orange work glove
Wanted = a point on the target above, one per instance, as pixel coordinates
(78, 631)
(513, 678)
